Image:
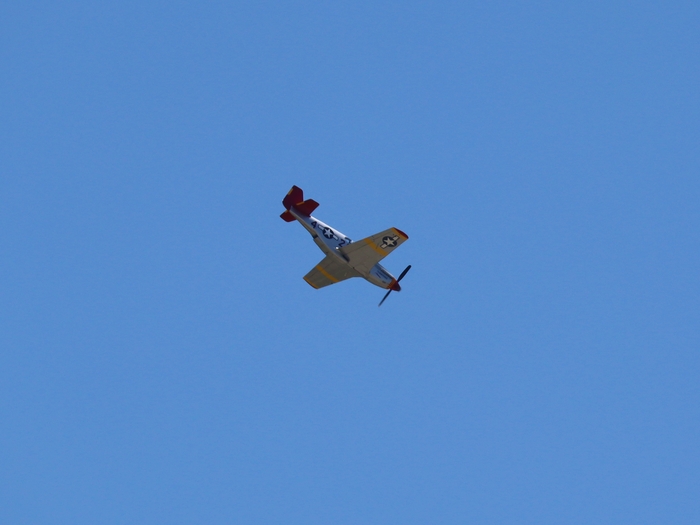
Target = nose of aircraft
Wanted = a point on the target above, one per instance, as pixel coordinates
(395, 286)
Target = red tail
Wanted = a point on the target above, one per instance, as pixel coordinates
(295, 199)
(295, 196)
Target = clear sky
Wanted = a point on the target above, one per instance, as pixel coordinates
(161, 358)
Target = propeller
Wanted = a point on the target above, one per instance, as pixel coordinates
(397, 280)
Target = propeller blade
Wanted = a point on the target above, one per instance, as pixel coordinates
(397, 280)
(387, 295)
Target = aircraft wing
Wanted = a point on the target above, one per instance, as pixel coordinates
(329, 271)
(363, 255)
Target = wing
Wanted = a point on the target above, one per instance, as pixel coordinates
(363, 255)
(329, 271)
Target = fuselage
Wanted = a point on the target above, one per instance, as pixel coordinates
(330, 241)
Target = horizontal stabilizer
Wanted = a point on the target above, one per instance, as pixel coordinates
(287, 216)
(306, 207)
(295, 199)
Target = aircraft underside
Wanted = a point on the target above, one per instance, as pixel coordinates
(344, 258)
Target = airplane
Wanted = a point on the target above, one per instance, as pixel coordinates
(344, 258)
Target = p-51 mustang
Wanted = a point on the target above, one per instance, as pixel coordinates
(344, 258)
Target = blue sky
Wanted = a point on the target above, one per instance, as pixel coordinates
(161, 358)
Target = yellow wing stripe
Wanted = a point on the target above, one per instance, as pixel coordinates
(326, 274)
(375, 247)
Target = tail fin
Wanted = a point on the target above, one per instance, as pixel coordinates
(295, 199)
(295, 195)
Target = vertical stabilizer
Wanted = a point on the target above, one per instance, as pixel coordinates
(295, 196)
(295, 199)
